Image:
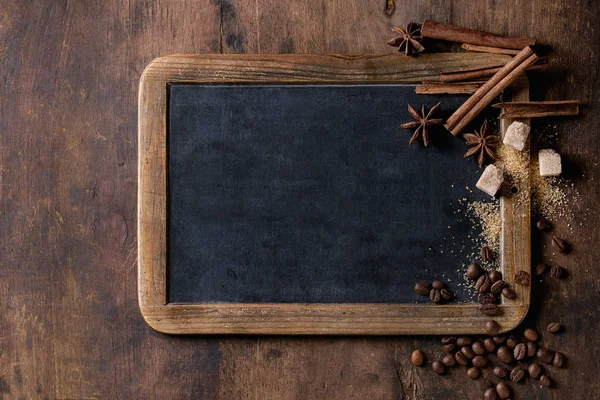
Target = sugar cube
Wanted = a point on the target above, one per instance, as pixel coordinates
(550, 164)
(490, 180)
(516, 135)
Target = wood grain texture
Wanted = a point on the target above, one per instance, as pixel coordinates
(297, 319)
(70, 319)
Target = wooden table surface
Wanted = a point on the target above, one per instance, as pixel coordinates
(70, 324)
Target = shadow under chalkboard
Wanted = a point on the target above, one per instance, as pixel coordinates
(311, 194)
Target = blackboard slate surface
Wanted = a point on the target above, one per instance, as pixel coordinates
(309, 194)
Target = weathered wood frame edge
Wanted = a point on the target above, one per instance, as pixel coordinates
(301, 319)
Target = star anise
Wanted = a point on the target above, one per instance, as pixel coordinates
(482, 142)
(422, 122)
(409, 39)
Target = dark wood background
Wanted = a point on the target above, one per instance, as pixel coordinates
(70, 325)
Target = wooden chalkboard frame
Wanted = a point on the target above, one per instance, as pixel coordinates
(302, 319)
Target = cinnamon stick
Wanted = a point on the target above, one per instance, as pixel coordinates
(475, 74)
(495, 91)
(488, 49)
(518, 60)
(535, 109)
(448, 88)
(452, 33)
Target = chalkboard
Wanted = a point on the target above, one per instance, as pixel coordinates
(277, 194)
(310, 194)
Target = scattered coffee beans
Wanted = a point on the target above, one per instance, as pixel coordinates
(450, 348)
(522, 278)
(509, 293)
(417, 358)
(500, 372)
(512, 341)
(557, 272)
(446, 294)
(439, 285)
(422, 288)
(554, 327)
(531, 349)
(490, 345)
(520, 352)
(545, 381)
(486, 253)
(505, 354)
(483, 284)
(490, 394)
(464, 341)
(543, 224)
(480, 361)
(558, 360)
(449, 360)
(497, 287)
(489, 309)
(473, 270)
(468, 352)
(535, 370)
(448, 339)
(517, 374)
(560, 245)
(438, 367)
(492, 327)
(486, 298)
(473, 373)
(545, 355)
(495, 276)
(540, 269)
(460, 358)
(478, 348)
(503, 390)
(435, 296)
(499, 339)
(530, 334)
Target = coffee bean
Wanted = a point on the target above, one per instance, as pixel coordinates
(500, 372)
(520, 352)
(478, 348)
(531, 349)
(468, 352)
(417, 358)
(492, 327)
(517, 374)
(448, 339)
(439, 285)
(554, 327)
(497, 287)
(522, 278)
(489, 309)
(473, 270)
(511, 341)
(543, 224)
(422, 288)
(483, 284)
(479, 361)
(558, 360)
(450, 347)
(488, 383)
(489, 345)
(530, 334)
(486, 253)
(557, 272)
(505, 354)
(473, 373)
(490, 394)
(545, 381)
(435, 296)
(446, 294)
(486, 298)
(438, 367)
(535, 370)
(499, 339)
(464, 341)
(449, 360)
(560, 245)
(540, 269)
(509, 293)
(495, 276)
(545, 355)
(503, 390)
(460, 358)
